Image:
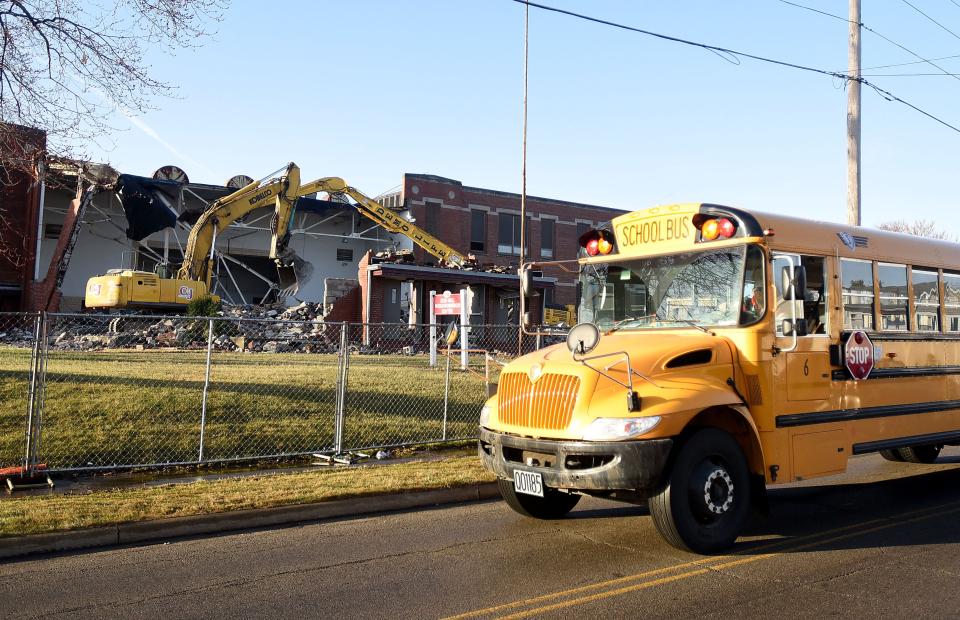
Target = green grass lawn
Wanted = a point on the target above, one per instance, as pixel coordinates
(122, 407)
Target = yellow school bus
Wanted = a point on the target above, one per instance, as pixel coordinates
(720, 351)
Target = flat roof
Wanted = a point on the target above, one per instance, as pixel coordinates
(400, 271)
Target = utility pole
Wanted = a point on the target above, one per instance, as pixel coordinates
(523, 166)
(853, 117)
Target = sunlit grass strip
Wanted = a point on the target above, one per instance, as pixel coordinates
(33, 515)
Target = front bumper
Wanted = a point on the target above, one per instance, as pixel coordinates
(609, 467)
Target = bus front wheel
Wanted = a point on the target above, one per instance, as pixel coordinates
(704, 501)
(553, 505)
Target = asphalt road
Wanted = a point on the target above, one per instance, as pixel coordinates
(881, 541)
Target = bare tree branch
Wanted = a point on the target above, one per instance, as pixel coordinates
(919, 228)
(67, 66)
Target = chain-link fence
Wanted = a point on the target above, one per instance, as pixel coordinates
(19, 338)
(89, 391)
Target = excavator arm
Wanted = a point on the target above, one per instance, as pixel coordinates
(387, 218)
(281, 192)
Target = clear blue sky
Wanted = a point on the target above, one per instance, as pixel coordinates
(370, 89)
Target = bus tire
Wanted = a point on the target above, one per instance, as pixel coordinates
(553, 505)
(705, 498)
(892, 455)
(919, 454)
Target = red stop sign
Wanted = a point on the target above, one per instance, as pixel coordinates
(858, 355)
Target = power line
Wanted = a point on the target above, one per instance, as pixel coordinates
(912, 62)
(955, 35)
(882, 36)
(810, 8)
(909, 74)
(735, 53)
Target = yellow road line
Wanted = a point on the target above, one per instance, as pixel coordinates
(687, 575)
(708, 563)
(593, 586)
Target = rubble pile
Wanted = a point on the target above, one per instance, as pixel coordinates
(282, 332)
(16, 336)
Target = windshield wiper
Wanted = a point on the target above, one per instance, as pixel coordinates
(630, 319)
(691, 321)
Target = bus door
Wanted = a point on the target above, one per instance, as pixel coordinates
(801, 330)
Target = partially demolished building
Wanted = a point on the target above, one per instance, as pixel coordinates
(361, 272)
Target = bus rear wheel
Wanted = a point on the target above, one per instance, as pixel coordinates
(704, 501)
(553, 505)
(919, 454)
(892, 455)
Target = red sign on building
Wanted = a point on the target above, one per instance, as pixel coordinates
(446, 304)
(858, 355)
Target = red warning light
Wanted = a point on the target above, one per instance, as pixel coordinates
(597, 242)
(716, 228)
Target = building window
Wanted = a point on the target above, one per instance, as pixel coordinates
(432, 216)
(344, 255)
(926, 300)
(478, 230)
(508, 241)
(52, 231)
(857, 288)
(547, 238)
(582, 227)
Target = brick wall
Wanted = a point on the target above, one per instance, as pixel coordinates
(455, 201)
(19, 207)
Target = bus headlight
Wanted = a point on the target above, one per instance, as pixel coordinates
(485, 415)
(613, 429)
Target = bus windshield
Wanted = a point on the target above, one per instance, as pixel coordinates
(702, 289)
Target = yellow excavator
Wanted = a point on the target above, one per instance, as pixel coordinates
(143, 290)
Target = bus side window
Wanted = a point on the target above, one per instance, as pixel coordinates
(857, 284)
(754, 302)
(814, 298)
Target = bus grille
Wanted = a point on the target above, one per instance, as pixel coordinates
(546, 404)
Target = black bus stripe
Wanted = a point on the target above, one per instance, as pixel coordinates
(846, 415)
(893, 373)
(929, 439)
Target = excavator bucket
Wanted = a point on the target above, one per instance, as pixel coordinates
(292, 272)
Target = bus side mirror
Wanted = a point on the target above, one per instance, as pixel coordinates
(793, 288)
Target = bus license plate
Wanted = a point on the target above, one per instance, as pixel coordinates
(528, 483)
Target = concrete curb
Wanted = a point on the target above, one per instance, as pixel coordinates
(162, 529)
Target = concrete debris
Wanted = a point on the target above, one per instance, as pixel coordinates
(16, 337)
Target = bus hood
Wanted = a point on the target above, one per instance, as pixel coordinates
(651, 353)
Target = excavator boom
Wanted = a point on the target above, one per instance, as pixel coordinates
(388, 219)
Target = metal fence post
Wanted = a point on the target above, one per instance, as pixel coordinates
(341, 389)
(29, 456)
(206, 389)
(40, 394)
(446, 395)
